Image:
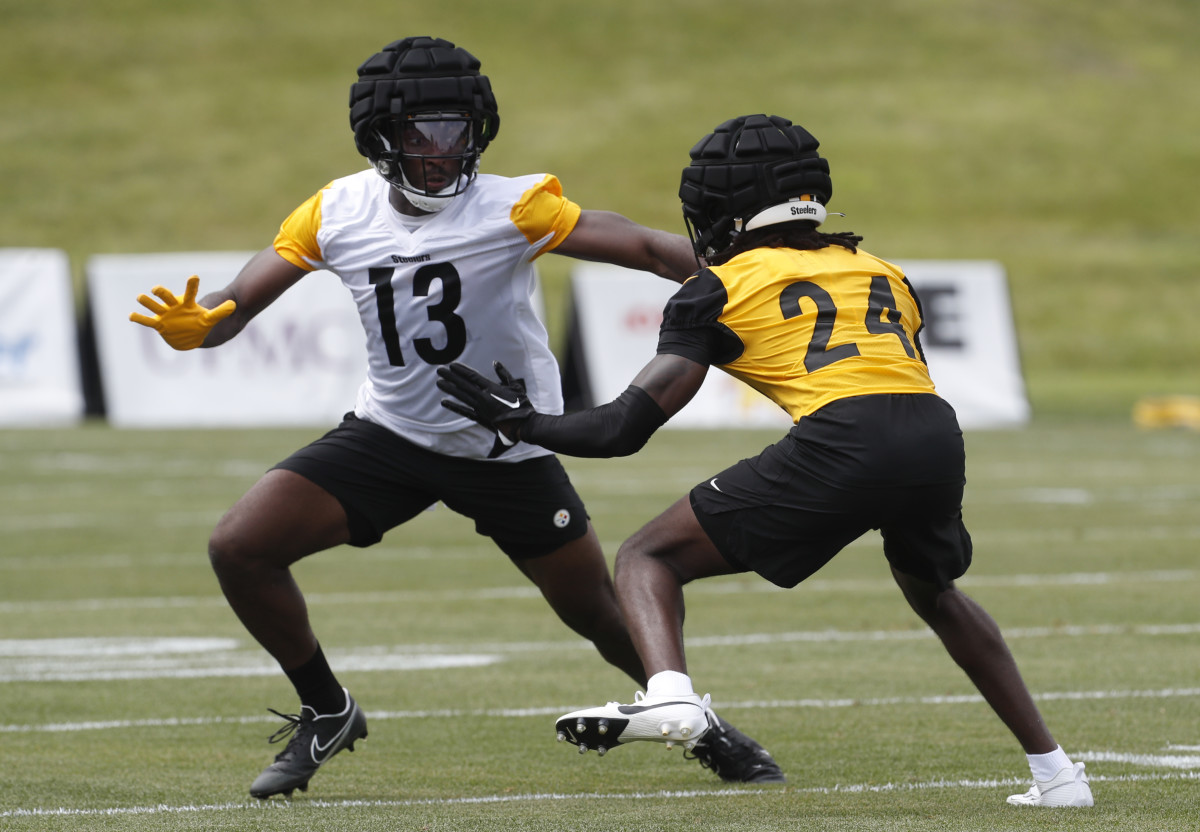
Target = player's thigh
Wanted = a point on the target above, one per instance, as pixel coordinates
(282, 518)
(528, 508)
(532, 512)
(675, 540)
(379, 479)
(574, 579)
(772, 515)
(928, 541)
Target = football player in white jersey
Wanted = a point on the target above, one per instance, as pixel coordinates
(438, 259)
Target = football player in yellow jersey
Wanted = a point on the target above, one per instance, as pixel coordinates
(831, 334)
(438, 259)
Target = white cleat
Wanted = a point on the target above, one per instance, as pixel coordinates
(666, 719)
(1067, 788)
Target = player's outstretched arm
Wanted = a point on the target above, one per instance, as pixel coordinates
(186, 323)
(619, 428)
(609, 237)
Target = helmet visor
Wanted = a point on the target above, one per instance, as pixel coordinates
(432, 153)
(434, 136)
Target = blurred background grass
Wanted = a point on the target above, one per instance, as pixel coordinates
(1059, 138)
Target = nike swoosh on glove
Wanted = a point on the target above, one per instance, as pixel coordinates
(487, 402)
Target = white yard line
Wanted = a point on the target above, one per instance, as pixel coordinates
(545, 797)
(557, 710)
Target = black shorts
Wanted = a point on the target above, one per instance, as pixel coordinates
(890, 462)
(529, 507)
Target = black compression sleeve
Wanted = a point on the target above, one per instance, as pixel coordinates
(619, 428)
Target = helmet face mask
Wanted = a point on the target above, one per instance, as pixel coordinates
(431, 157)
(422, 114)
(745, 166)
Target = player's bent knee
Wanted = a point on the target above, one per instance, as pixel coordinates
(228, 553)
(222, 556)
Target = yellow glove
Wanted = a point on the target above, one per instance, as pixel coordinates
(182, 324)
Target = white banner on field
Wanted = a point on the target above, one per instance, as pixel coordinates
(300, 362)
(969, 342)
(39, 354)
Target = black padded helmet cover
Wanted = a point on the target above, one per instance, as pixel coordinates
(419, 74)
(745, 165)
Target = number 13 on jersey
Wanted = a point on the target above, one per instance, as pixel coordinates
(441, 312)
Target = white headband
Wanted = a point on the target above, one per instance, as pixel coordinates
(795, 209)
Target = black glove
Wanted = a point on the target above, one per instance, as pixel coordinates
(483, 400)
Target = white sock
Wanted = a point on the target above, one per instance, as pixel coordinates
(669, 683)
(1045, 766)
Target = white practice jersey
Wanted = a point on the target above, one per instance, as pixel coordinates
(456, 285)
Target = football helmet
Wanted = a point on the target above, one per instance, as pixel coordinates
(749, 172)
(422, 113)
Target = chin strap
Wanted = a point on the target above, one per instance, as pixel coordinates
(426, 202)
(431, 203)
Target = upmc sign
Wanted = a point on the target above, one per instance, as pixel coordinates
(969, 342)
(298, 363)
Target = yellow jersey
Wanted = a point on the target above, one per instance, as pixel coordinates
(804, 328)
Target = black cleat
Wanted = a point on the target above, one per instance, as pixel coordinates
(314, 739)
(733, 756)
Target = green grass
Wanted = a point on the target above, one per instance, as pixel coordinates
(1055, 137)
(1085, 535)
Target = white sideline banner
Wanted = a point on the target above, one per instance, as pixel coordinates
(969, 341)
(40, 381)
(298, 363)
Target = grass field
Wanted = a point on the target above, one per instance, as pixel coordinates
(132, 699)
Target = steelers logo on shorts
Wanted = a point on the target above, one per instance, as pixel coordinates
(561, 518)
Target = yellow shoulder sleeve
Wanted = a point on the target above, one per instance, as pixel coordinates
(543, 210)
(296, 241)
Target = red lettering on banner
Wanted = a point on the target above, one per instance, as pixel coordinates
(642, 319)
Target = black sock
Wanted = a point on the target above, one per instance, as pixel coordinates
(317, 686)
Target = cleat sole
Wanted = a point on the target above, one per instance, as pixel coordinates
(571, 730)
(682, 721)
